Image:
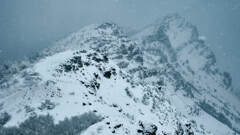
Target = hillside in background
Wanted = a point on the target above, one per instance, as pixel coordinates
(162, 80)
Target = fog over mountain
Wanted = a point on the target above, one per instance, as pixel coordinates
(30, 25)
(145, 67)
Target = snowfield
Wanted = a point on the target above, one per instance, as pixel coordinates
(161, 81)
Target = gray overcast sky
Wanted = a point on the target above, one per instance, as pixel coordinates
(27, 26)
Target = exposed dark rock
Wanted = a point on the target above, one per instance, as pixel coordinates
(4, 118)
(77, 60)
(107, 74)
(97, 59)
(184, 130)
(139, 59)
(129, 93)
(86, 63)
(28, 109)
(96, 75)
(115, 105)
(118, 126)
(74, 64)
(180, 130)
(140, 131)
(95, 85)
(147, 129)
(227, 79)
(105, 58)
(48, 105)
(91, 93)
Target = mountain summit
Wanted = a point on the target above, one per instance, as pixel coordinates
(162, 80)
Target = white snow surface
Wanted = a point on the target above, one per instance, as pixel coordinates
(72, 76)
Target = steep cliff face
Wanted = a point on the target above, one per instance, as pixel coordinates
(193, 67)
(84, 73)
(165, 82)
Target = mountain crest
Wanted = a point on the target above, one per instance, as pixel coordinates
(166, 82)
(178, 30)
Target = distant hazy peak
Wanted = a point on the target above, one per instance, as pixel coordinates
(175, 27)
(165, 82)
(178, 30)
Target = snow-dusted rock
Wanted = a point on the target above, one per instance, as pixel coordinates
(165, 82)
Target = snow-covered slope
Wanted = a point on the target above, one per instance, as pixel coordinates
(192, 66)
(138, 87)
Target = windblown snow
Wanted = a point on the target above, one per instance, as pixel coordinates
(160, 81)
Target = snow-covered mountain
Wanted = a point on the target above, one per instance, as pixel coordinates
(192, 66)
(160, 81)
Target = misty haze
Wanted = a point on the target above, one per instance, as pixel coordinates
(128, 67)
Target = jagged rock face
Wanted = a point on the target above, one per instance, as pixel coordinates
(191, 66)
(71, 80)
(152, 86)
(107, 38)
(185, 42)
